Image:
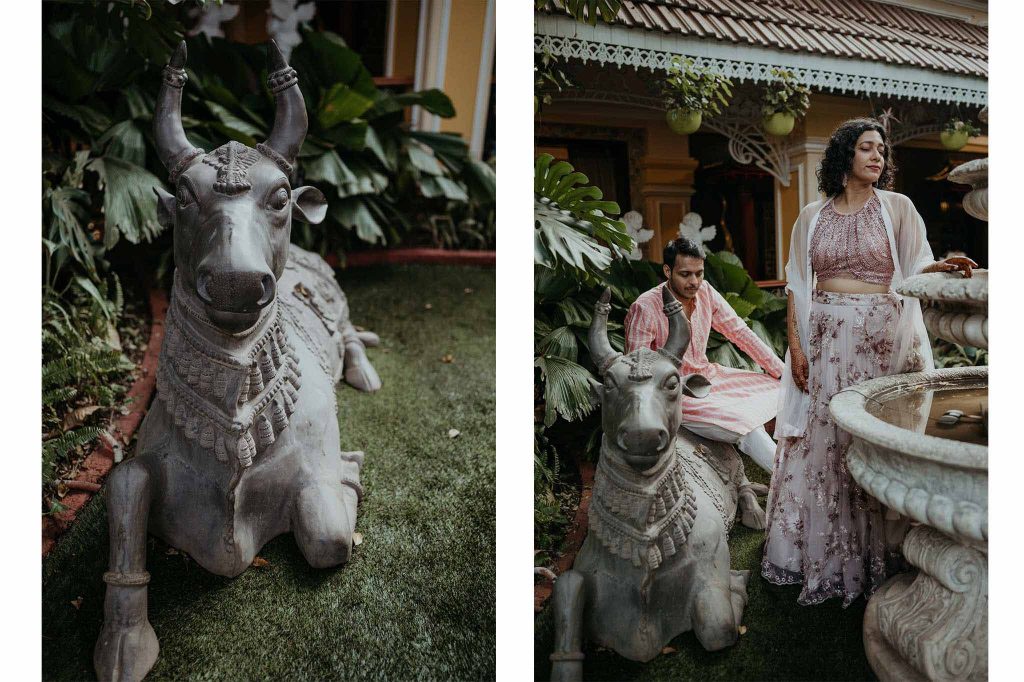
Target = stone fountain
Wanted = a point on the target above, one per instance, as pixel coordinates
(931, 623)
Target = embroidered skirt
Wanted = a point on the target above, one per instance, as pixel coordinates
(823, 530)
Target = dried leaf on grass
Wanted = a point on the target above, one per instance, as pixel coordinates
(427, 306)
(77, 416)
(357, 538)
(448, 358)
(668, 650)
(743, 629)
(467, 290)
(260, 562)
(454, 433)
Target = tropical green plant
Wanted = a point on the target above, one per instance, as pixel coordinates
(785, 95)
(695, 89)
(585, 10)
(948, 354)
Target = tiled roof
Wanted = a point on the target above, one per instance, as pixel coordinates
(858, 29)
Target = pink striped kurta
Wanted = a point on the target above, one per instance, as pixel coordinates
(740, 401)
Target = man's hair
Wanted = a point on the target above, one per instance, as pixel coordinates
(681, 247)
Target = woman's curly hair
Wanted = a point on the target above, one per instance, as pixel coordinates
(839, 156)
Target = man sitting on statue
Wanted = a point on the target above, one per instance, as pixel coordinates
(740, 401)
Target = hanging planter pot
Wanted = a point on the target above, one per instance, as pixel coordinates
(953, 140)
(779, 124)
(683, 121)
(956, 133)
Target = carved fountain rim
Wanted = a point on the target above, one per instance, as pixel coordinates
(848, 409)
(948, 288)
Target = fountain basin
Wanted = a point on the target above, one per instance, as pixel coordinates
(932, 623)
(935, 481)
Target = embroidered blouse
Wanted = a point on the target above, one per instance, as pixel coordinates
(853, 246)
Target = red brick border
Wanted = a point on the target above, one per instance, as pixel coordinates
(573, 539)
(99, 462)
(418, 255)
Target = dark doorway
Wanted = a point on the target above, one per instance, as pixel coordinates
(922, 177)
(740, 201)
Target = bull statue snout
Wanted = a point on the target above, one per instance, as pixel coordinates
(638, 438)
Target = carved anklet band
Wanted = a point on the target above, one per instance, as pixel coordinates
(566, 656)
(126, 579)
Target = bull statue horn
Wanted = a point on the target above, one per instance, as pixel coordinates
(600, 348)
(176, 152)
(290, 122)
(678, 328)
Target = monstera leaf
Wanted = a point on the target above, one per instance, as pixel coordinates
(570, 221)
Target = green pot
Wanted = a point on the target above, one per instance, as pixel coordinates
(953, 140)
(779, 124)
(683, 121)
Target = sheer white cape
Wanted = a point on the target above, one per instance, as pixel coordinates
(908, 243)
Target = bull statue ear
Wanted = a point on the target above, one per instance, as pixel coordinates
(696, 386)
(596, 392)
(164, 207)
(309, 204)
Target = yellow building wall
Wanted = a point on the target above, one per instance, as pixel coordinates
(462, 64)
(407, 19)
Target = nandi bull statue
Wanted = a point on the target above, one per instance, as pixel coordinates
(242, 442)
(655, 562)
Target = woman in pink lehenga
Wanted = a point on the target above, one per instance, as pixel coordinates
(848, 253)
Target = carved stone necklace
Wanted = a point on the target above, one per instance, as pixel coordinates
(232, 394)
(641, 518)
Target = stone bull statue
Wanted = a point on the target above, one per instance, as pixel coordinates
(655, 562)
(242, 442)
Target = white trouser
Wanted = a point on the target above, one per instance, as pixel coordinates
(757, 444)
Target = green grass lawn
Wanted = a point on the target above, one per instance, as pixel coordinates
(783, 641)
(417, 601)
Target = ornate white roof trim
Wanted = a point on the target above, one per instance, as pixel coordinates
(604, 44)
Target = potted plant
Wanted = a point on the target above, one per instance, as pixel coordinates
(954, 135)
(690, 93)
(785, 100)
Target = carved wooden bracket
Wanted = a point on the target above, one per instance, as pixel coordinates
(740, 122)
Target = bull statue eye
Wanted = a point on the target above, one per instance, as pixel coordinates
(671, 383)
(279, 199)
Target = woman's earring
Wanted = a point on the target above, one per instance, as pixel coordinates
(844, 179)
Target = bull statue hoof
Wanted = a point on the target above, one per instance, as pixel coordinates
(655, 562)
(359, 373)
(125, 653)
(242, 442)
